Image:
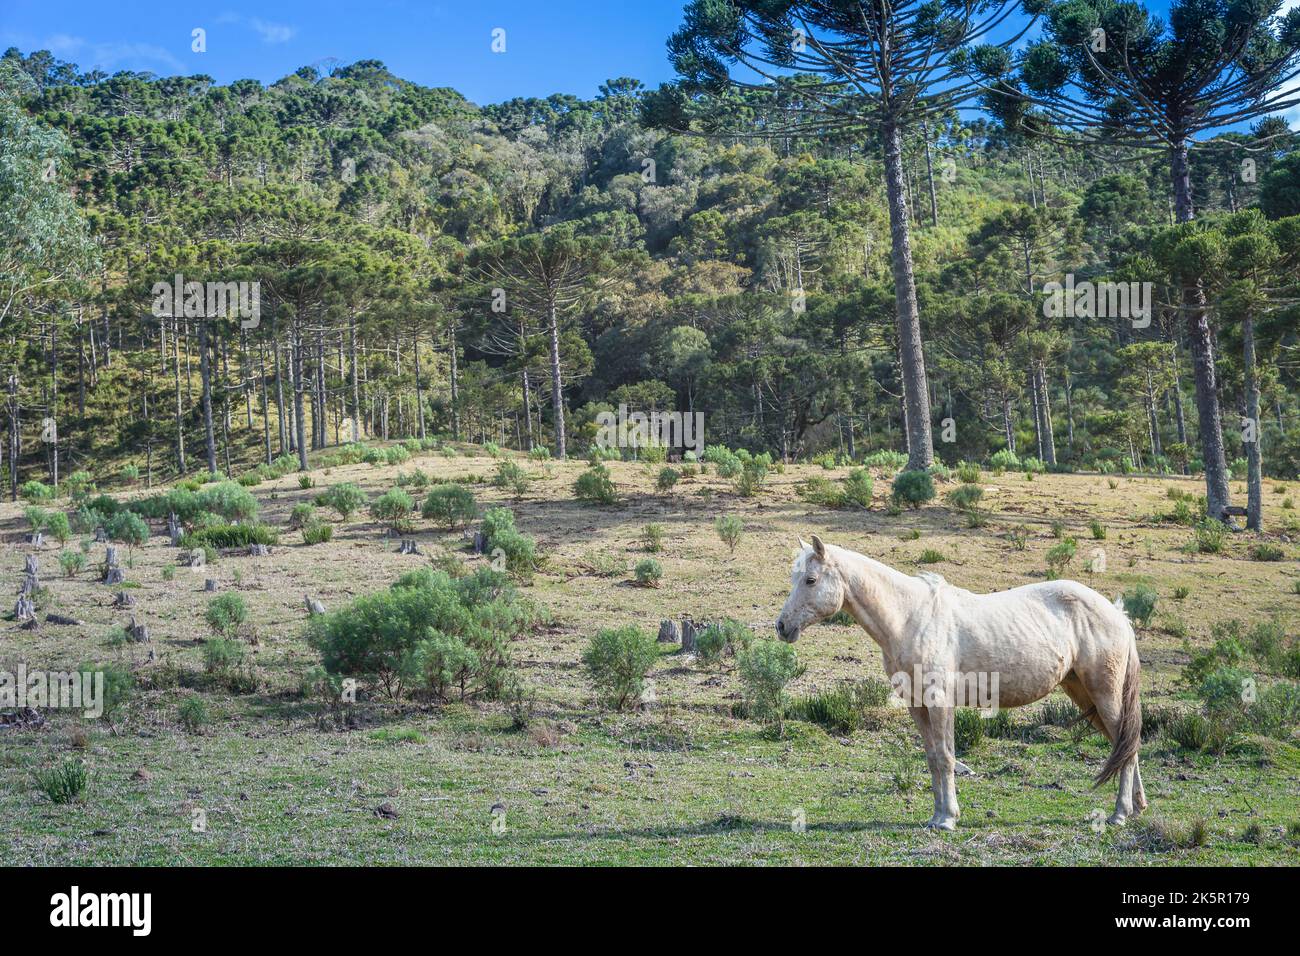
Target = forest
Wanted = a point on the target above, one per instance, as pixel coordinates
(505, 272)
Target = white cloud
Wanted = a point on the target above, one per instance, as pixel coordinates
(109, 56)
(268, 31)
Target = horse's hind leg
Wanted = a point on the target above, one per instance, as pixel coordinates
(1106, 696)
(1075, 690)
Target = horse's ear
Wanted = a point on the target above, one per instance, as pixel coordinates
(803, 546)
(819, 549)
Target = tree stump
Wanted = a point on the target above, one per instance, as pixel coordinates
(688, 636)
(174, 530)
(112, 571)
(480, 542)
(101, 536)
(35, 539)
(314, 606)
(29, 566)
(408, 546)
(668, 632)
(52, 618)
(258, 551)
(139, 633)
(25, 611)
(209, 584)
(123, 600)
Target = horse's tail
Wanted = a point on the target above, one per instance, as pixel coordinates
(1129, 737)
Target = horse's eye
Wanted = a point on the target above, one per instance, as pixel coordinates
(810, 581)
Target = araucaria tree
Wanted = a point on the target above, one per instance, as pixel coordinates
(1112, 72)
(868, 71)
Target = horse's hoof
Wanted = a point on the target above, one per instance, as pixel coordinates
(948, 824)
(1117, 819)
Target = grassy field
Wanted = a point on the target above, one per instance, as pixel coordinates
(681, 781)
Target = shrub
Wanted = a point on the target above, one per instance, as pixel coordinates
(858, 487)
(444, 662)
(130, 474)
(1223, 691)
(511, 476)
(1264, 551)
(766, 667)
(842, 709)
(79, 485)
(303, 513)
(1097, 529)
(968, 473)
(72, 562)
(1001, 725)
(64, 783)
(729, 529)
(228, 500)
(540, 453)
(345, 498)
(225, 613)
(230, 536)
(36, 491)
(1004, 459)
(193, 714)
(58, 526)
(821, 491)
(913, 488)
(668, 477)
(317, 532)
(451, 504)
(394, 508)
(966, 498)
(37, 519)
(648, 573)
(1059, 557)
(1197, 733)
(1209, 535)
(652, 538)
(127, 528)
(753, 472)
(1140, 604)
(380, 636)
(886, 459)
(722, 638)
(595, 485)
(306, 481)
(967, 730)
(518, 550)
(222, 655)
(617, 661)
(1019, 537)
(930, 556)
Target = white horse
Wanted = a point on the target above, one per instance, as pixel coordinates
(1024, 642)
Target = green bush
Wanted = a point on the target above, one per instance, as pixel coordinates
(225, 613)
(1264, 551)
(316, 532)
(858, 487)
(668, 477)
(35, 491)
(38, 519)
(345, 498)
(617, 661)
(518, 550)
(886, 459)
(968, 473)
(222, 655)
(64, 783)
(648, 573)
(58, 526)
(766, 667)
(394, 508)
(726, 637)
(511, 476)
(1140, 604)
(912, 488)
(821, 491)
(303, 513)
(729, 529)
(1004, 459)
(753, 473)
(652, 538)
(72, 562)
(127, 528)
(452, 505)
(229, 536)
(193, 714)
(228, 500)
(1209, 536)
(79, 485)
(1059, 557)
(595, 485)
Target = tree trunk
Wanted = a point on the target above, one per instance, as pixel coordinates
(1201, 344)
(920, 444)
(557, 389)
(929, 172)
(205, 373)
(1254, 501)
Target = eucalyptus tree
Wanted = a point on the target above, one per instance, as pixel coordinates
(1112, 72)
(868, 70)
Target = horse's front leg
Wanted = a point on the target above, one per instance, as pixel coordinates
(929, 722)
(942, 766)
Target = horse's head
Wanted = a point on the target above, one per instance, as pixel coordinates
(818, 591)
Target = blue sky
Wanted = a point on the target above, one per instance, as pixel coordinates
(551, 45)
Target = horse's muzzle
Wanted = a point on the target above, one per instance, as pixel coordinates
(787, 634)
